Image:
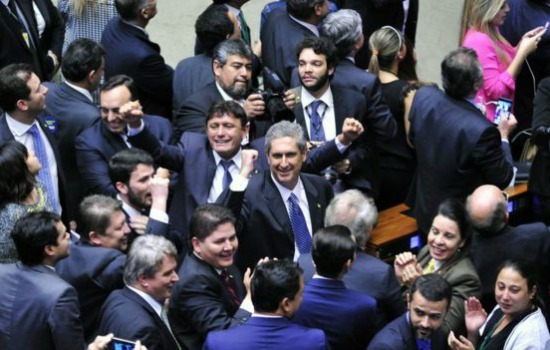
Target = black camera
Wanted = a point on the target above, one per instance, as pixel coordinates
(273, 96)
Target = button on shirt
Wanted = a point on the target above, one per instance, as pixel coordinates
(326, 112)
(217, 183)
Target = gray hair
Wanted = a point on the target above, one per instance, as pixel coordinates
(344, 28)
(493, 222)
(285, 129)
(355, 211)
(231, 47)
(95, 214)
(145, 257)
(461, 73)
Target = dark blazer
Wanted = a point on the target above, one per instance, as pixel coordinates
(280, 35)
(129, 316)
(96, 145)
(347, 317)
(201, 303)
(267, 334)
(94, 272)
(73, 113)
(529, 242)
(38, 310)
(192, 74)
(457, 150)
(398, 335)
(54, 32)
(129, 51)
(540, 170)
(263, 225)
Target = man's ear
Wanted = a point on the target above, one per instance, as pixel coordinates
(95, 238)
(22, 105)
(216, 67)
(121, 187)
(195, 244)
(285, 306)
(48, 250)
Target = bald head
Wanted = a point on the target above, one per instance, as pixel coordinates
(488, 209)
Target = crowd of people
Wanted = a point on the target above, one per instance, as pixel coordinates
(228, 203)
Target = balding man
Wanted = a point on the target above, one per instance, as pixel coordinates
(494, 241)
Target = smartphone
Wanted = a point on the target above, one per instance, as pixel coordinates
(504, 107)
(121, 344)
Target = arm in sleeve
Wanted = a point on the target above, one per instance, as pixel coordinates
(64, 322)
(493, 158)
(93, 168)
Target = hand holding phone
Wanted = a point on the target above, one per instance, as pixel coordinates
(504, 108)
(121, 344)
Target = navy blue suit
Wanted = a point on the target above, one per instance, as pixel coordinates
(347, 317)
(129, 51)
(267, 334)
(192, 74)
(96, 145)
(94, 272)
(129, 316)
(38, 310)
(73, 113)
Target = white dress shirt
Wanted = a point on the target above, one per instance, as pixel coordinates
(217, 183)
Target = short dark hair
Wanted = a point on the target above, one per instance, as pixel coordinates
(213, 26)
(129, 9)
(206, 218)
(32, 233)
(121, 80)
(231, 47)
(231, 108)
(321, 46)
(95, 214)
(82, 56)
(273, 281)
(432, 287)
(530, 272)
(461, 73)
(454, 210)
(123, 164)
(333, 246)
(13, 85)
(302, 9)
(16, 181)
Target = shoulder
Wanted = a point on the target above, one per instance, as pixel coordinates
(393, 336)
(474, 38)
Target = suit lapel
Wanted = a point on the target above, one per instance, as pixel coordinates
(300, 118)
(14, 24)
(115, 142)
(276, 205)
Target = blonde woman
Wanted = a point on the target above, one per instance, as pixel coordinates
(501, 61)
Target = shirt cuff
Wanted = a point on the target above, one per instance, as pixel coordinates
(239, 183)
(135, 131)
(341, 147)
(505, 140)
(159, 215)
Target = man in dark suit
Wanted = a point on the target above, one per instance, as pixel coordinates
(97, 144)
(137, 311)
(347, 317)
(31, 287)
(71, 107)
(143, 194)
(276, 287)
(367, 274)
(277, 210)
(23, 98)
(494, 241)
(94, 267)
(428, 302)
(129, 51)
(213, 26)
(457, 149)
(211, 294)
(283, 30)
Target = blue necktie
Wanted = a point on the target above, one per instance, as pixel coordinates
(44, 173)
(226, 164)
(316, 123)
(424, 344)
(299, 226)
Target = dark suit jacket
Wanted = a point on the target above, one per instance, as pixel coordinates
(129, 316)
(54, 32)
(94, 272)
(96, 145)
(280, 35)
(73, 113)
(267, 334)
(154, 227)
(457, 151)
(529, 242)
(347, 317)
(263, 225)
(38, 310)
(192, 74)
(201, 303)
(398, 335)
(129, 51)
(540, 170)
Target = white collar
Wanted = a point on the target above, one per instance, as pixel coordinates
(17, 128)
(237, 158)
(5, 2)
(149, 299)
(226, 96)
(308, 98)
(313, 28)
(128, 209)
(81, 90)
(285, 192)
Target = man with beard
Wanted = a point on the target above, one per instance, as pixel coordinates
(428, 302)
(232, 67)
(323, 108)
(143, 195)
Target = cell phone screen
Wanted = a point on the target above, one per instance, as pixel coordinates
(122, 344)
(504, 107)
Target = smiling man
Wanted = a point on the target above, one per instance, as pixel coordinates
(428, 302)
(211, 294)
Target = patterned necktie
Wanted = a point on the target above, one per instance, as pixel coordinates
(299, 226)
(316, 123)
(245, 32)
(431, 267)
(226, 279)
(44, 173)
(226, 164)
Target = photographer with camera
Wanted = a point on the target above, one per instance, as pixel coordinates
(232, 67)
